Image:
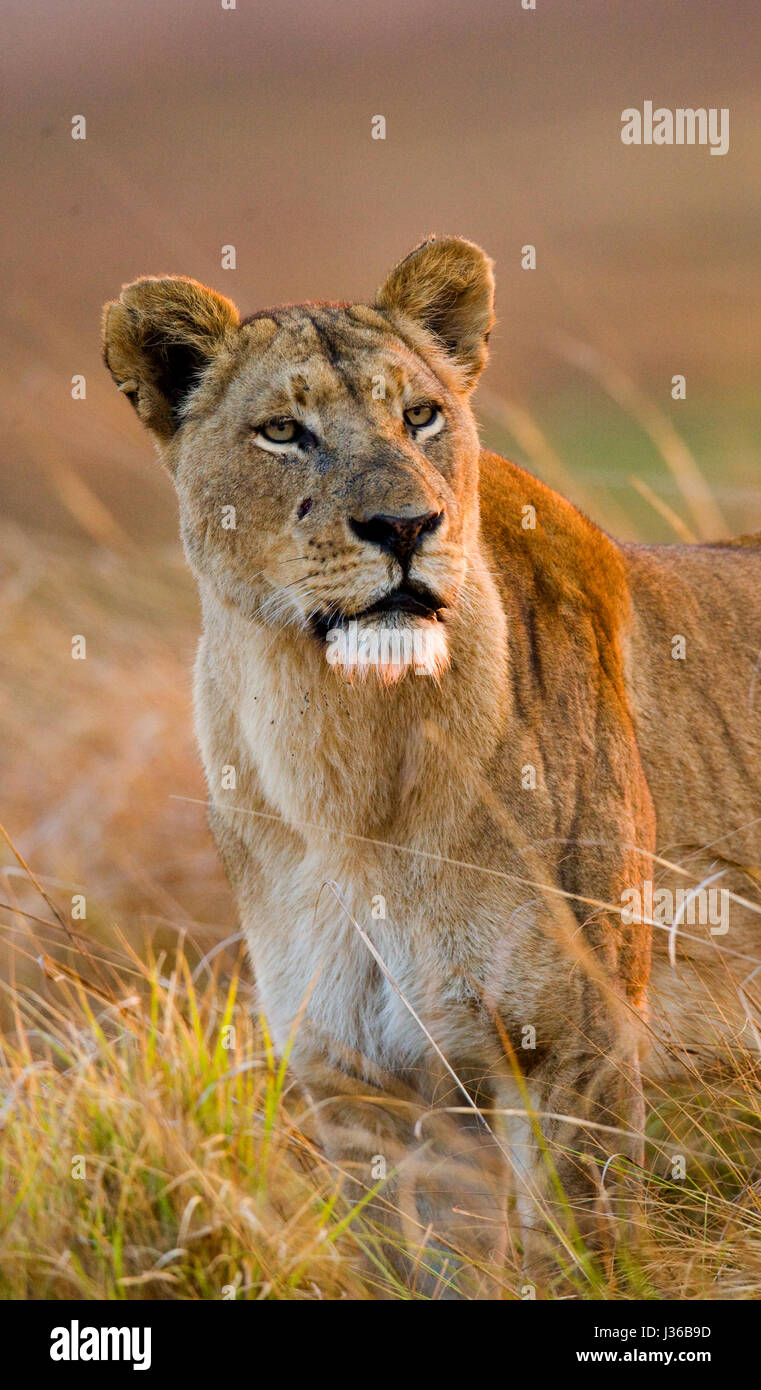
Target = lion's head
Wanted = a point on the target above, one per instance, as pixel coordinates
(325, 455)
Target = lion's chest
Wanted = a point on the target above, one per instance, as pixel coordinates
(382, 974)
(356, 839)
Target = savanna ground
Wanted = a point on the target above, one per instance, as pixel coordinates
(145, 1150)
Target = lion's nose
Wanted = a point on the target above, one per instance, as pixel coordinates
(400, 535)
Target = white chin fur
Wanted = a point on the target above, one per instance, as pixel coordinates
(389, 645)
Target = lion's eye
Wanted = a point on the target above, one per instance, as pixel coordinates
(418, 416)
(280, 431)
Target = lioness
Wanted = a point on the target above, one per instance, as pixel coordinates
(430, 682)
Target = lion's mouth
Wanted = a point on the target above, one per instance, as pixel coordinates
(415, 599)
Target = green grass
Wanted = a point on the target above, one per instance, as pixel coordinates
(147, 1151)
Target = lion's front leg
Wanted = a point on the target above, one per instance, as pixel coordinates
(427, 1185)
(577, 1154)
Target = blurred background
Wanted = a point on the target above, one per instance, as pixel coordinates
(208, 127)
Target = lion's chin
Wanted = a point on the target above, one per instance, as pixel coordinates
(388, 646)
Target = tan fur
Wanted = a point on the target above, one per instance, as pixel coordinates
(501, 899)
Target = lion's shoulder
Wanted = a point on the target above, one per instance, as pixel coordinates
(552, 548)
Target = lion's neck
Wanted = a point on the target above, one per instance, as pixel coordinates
(391, 762)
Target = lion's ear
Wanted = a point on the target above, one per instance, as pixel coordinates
(158, 337)
(446, 285)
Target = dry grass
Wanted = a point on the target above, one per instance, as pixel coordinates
(199, 1175)
(149, 1152)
